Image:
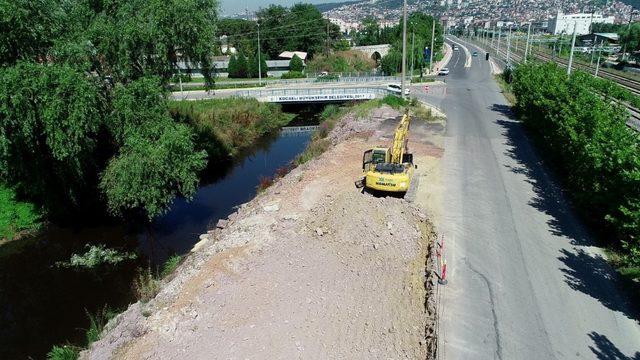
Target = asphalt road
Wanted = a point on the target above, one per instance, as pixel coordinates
(525, 281)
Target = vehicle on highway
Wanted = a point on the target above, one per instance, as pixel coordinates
(455, 48)
(443, 71)
(397, 89)
(475, 54)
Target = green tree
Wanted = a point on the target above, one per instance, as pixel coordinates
(296, 64)
(242, 66)
(392, 62)
(370, 33)
(50, 116)
(630, 37)
(232, 68)
(156, 164)
(252, 66)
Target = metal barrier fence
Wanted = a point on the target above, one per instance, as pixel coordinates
(345, 79)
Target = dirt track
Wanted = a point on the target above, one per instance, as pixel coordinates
(310, 269)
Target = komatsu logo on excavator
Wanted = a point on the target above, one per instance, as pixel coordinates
(384, 182)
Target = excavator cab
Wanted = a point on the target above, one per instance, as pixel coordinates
(374, 156)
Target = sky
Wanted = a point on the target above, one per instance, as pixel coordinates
(231, 7)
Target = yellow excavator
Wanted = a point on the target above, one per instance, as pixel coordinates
(390, 169)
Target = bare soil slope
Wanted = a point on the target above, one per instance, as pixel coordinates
(310, 269)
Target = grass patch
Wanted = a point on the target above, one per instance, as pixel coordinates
(225, 126)
(170, 265)
(507, 91)
(97, 323)
(65, 352)
(16, 217)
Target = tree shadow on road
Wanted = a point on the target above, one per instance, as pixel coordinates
(604, 349)
(592, 275)
(549, 197)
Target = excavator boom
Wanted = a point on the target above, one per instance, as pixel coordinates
(399, 147)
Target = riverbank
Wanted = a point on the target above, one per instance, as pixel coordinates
(297, 271)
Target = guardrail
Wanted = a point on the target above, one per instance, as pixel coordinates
(313, 91)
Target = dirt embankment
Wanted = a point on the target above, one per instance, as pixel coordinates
(310, 269)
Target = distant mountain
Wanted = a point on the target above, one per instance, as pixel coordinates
(330, 6)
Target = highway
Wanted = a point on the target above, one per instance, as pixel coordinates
(525, 279)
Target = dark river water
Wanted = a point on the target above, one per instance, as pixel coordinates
(43, 304)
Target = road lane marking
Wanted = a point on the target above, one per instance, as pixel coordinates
(468, 61)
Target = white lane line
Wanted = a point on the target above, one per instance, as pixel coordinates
(467, 64)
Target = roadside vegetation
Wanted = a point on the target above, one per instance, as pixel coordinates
(584, 137)
(341, 62)
(332, 114)
(225, 126)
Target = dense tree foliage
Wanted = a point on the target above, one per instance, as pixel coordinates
(585, 137)
(372, 34)
(419, 30)
(342, 62)
(299, 28)
(82, 102)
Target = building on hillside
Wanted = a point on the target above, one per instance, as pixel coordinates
(565, 23)
(607, 39)
(221, 63)
(289, 55)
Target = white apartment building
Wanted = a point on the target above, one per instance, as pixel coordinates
(564, 23)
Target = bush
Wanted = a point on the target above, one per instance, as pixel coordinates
(315, 149)
(342, 62)
(293, 75)
(63, 353)
(16, 216)
(394, 101)
(586, 139)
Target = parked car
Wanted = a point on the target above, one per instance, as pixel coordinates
(397, 89)
(443, 71)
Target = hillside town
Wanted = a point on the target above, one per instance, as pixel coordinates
(465, 13)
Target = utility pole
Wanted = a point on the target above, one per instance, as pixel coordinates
(624, 46)
(413, 41)
(404, 47)
(499, 38)
(526, 48)
(509, 45)
(573, 45)
(598, 63)
(259, 60)
(433, 37)
(493, 36)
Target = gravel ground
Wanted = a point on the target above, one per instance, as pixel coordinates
(310, 269)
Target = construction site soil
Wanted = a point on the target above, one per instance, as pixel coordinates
(312, 268)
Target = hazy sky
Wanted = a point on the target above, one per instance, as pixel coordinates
(230, 7)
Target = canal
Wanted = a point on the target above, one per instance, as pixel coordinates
(45, 303)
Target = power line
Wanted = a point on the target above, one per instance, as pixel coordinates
(279, 27)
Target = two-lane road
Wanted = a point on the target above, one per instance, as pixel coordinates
(525, 279)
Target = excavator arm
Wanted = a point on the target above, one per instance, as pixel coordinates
(399, 147)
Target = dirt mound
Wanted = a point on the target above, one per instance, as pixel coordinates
(311, 268)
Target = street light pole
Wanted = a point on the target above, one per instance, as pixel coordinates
(433, 37)
(259, 60)
(413, 41)
(404, 47)
(573, 45)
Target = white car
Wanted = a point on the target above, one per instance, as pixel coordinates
(455, 48)
(397, 89)
(443, 71)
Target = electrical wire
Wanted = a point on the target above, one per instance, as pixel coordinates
(279, 27)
